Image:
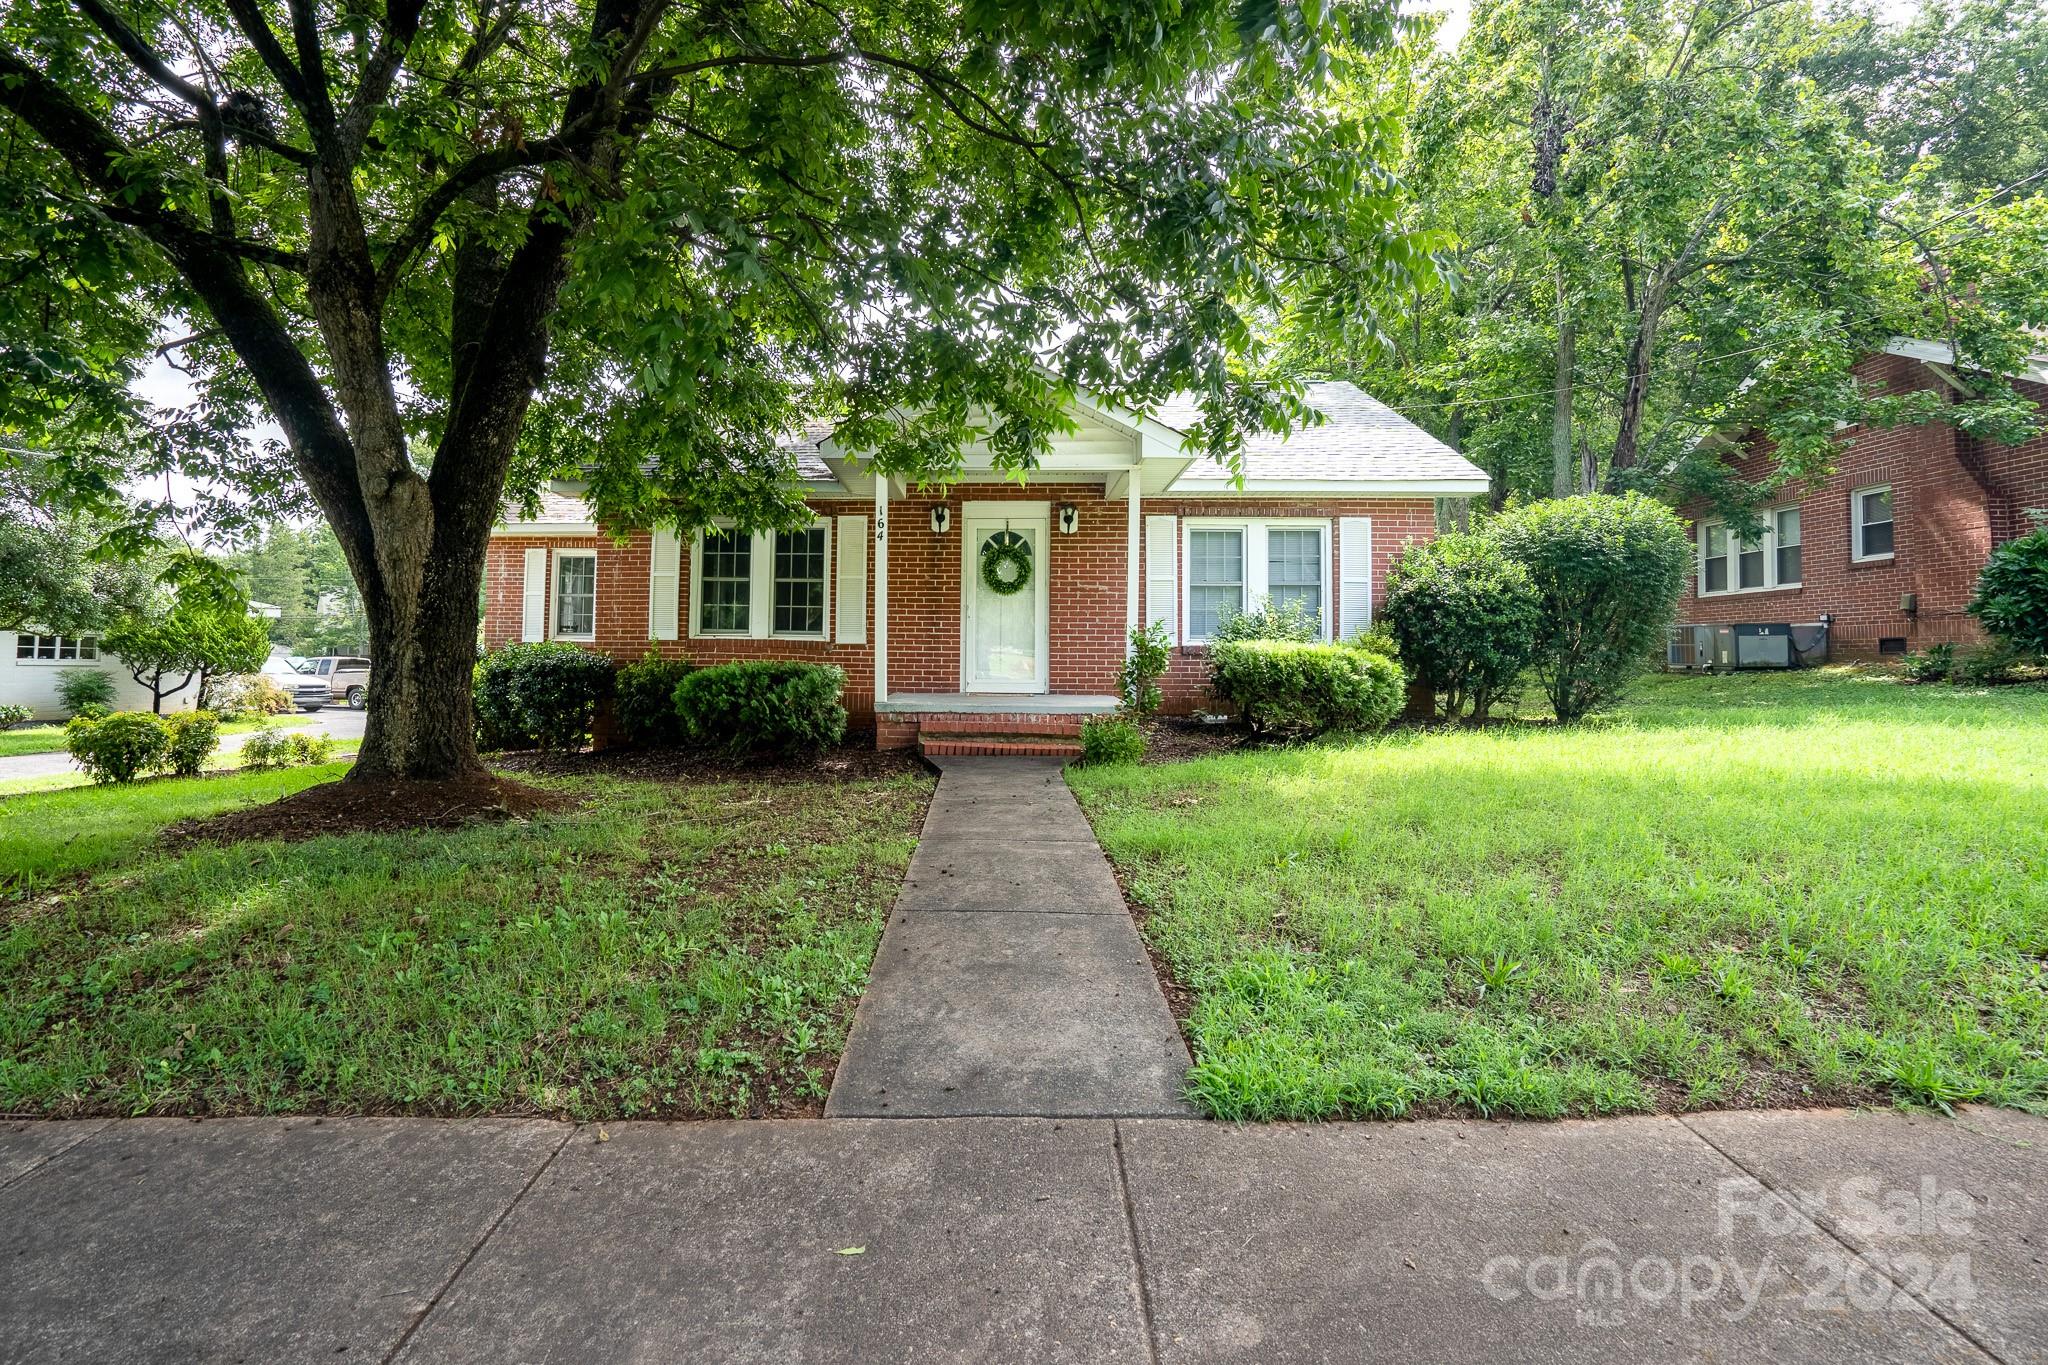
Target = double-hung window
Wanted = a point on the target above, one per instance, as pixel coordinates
(1728, 563)
(1870, 516)
(725, 582)
(56, 648)
(1215, 580)
(575, 595)
(800, 582)
(770, 584)
(1233, 566)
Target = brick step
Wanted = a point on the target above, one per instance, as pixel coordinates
(996, 744)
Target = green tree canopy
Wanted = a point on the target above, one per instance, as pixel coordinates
(452, 248)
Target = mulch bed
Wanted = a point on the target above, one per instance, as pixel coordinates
(376, 807)
(854, 761)
(1175, 739)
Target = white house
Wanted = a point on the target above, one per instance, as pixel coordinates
(33, 664)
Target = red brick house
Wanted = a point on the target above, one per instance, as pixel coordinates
(1887, 548)
(1120, 523)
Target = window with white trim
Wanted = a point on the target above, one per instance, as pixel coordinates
(800, 582)
(575, 595)
(1215, 580)
(786, 574)
(1870, 516)
(55, 649)
(1728, 563)
(725, 580)
(1234, 565)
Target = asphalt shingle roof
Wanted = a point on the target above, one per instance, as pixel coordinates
(1360, 439)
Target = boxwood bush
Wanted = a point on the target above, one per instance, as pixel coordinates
(749, 708)
(1290, 687)
(645, 703)
(541, 696)
(1467, 619)
(2012, 594)
(1609, 571)
(191, 737)
(120, 746)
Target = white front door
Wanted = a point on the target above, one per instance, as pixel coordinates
(1003, 633)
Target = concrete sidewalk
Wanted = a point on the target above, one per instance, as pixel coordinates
(1814, 1236)
(1010, 979)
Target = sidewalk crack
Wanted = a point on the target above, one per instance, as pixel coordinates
(1826, 1227)
(419, 1319)
(1138, 1275)
(47, 1157)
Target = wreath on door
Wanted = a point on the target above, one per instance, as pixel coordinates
(1006, 563)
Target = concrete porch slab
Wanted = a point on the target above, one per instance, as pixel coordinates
(996, 704)
(977, 1240)
(251, 1239)
(1011, 1013)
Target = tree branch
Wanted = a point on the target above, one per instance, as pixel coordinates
(419, 229)
(257, 30)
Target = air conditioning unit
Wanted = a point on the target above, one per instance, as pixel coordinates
(1756, 644)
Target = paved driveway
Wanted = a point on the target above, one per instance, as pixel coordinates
(338, 721)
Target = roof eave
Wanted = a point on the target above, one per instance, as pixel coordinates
(1442, 488)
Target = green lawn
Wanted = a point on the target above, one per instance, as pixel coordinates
(49, 739)
(1733, 891)
(690, 949)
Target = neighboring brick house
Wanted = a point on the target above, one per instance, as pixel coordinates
(1119, 523)
(1888, 547)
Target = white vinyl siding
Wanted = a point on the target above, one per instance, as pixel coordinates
(1162, 576)
(1730, 564)
(533, 613)
(575, 595)
(1871, 530)
(664, 585)
(850, 625)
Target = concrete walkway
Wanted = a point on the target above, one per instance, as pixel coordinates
(1813, 1236)
(1010, 979)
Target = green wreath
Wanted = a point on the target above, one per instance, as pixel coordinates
(1006, 553)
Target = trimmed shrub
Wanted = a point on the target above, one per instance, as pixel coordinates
(81, 688)
(264, 748)
(1467, 619)
(307, 749)
(645, 702)
(13, 713)
(1288, 621)
(118, 747)
(2012, 594)
(539, 696)
(251, 694)
(1111, 739)
(193, 736)
(1608, 571)
(1285, 686)
(764, 707)
(1138, 679)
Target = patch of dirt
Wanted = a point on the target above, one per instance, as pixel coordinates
(370, 806)
(851, 762)
(1175, 739)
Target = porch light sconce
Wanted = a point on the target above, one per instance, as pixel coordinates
(1070, 518)
(942, 517)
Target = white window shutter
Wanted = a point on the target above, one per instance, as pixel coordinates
(664, 582)
(1354, 557)
(850, 624)
(1162, 575)
(533, 616)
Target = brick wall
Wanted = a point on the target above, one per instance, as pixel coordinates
(1953, 498)
(1085, 588)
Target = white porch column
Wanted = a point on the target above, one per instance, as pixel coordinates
(881, 588)
(1132, 610)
